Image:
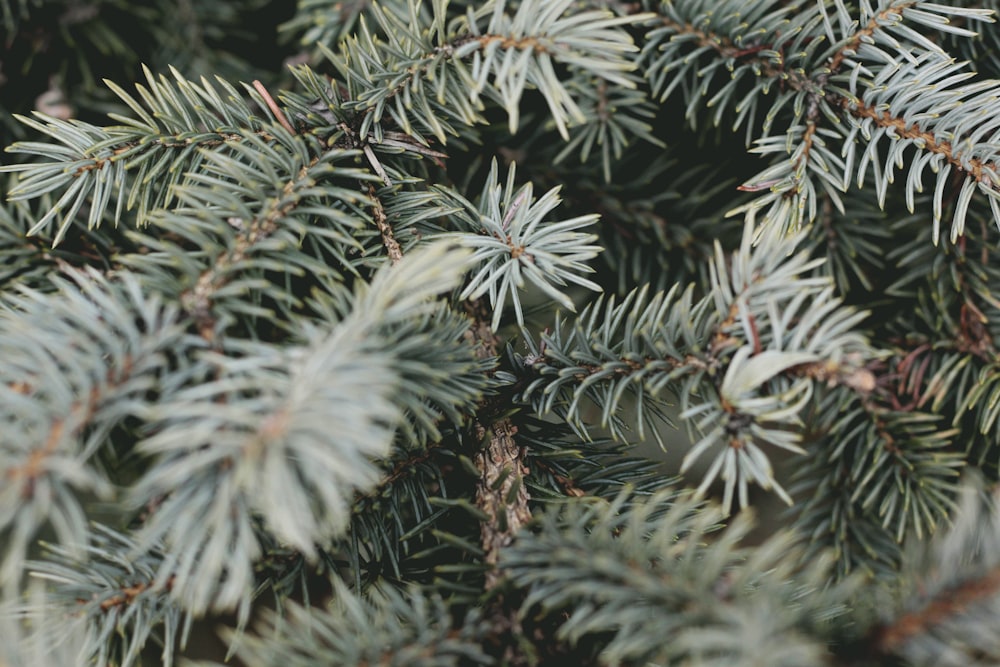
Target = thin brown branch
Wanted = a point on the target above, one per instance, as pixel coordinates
(568, 486)
(861, 379)
(353, 141)
(403, 468)
(978, 169)
(807, 142)
(500, 492)
(508, 42)
(128, 594)
(865, 33)
(722, 337)
(273, 106)
(384, 228)
(126, 150)
(720, 43)
(800, 164)
(80, 414)
(33, 466)
(197, 300)
(725, 47)
(125, 597)
(629, 366)
(947, 604)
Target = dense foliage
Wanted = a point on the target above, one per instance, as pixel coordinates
(343, 333)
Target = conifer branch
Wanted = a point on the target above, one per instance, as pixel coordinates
(197, 300)
(48, 456)
(948, 603)
(678, 580)
(515, 244)
(978, 169)
(387, 628)
(113, 597)
(501, 492)
(645, 346)
(175, 120)
(284, 378)
(942, 606)
(385, 230)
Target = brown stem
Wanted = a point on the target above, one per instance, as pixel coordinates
(977, 169)
(500, 492)
(34, 465)
(197, 300)
(273, 106)
(80, 414)
(384, 228)
(725, 47)
(866, 33)
(949, 603)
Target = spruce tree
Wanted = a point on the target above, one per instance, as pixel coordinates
(343, 339)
